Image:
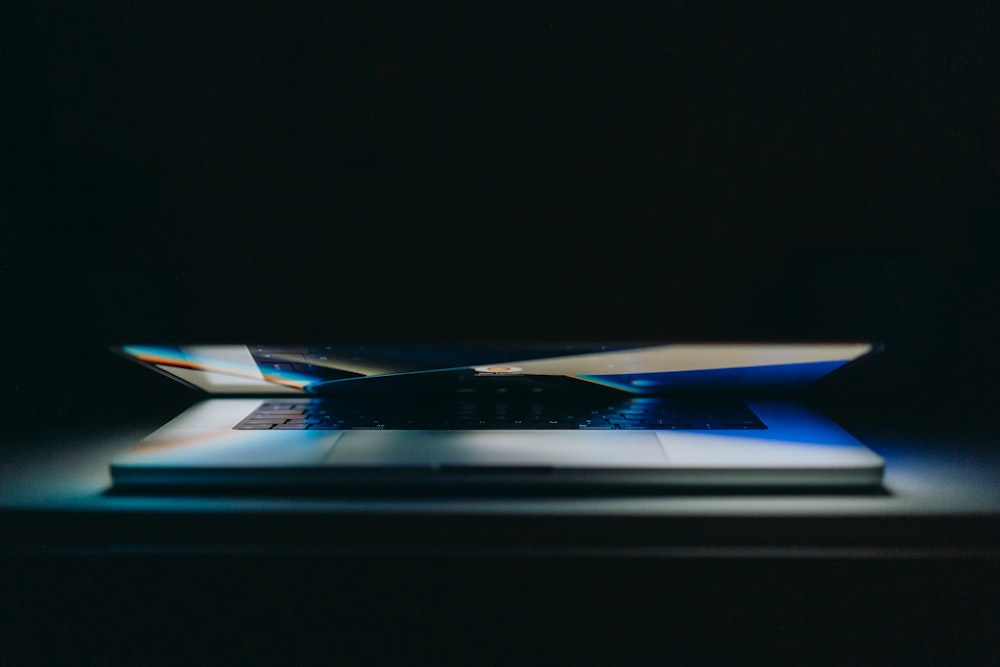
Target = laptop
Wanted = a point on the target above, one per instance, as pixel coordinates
(580, 414)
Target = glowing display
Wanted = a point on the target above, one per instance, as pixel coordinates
(215, 362)
(632, 368)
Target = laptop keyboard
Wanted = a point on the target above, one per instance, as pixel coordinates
(639, 413)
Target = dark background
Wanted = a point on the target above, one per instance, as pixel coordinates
(508, 171)
(372, 171)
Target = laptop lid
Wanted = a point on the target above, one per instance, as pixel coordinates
(634, 368)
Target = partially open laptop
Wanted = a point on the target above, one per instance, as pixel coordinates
(611, 414)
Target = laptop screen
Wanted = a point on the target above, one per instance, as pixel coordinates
(633, 368)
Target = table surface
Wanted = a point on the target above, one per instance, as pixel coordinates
(940, 494)
(857, 578)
